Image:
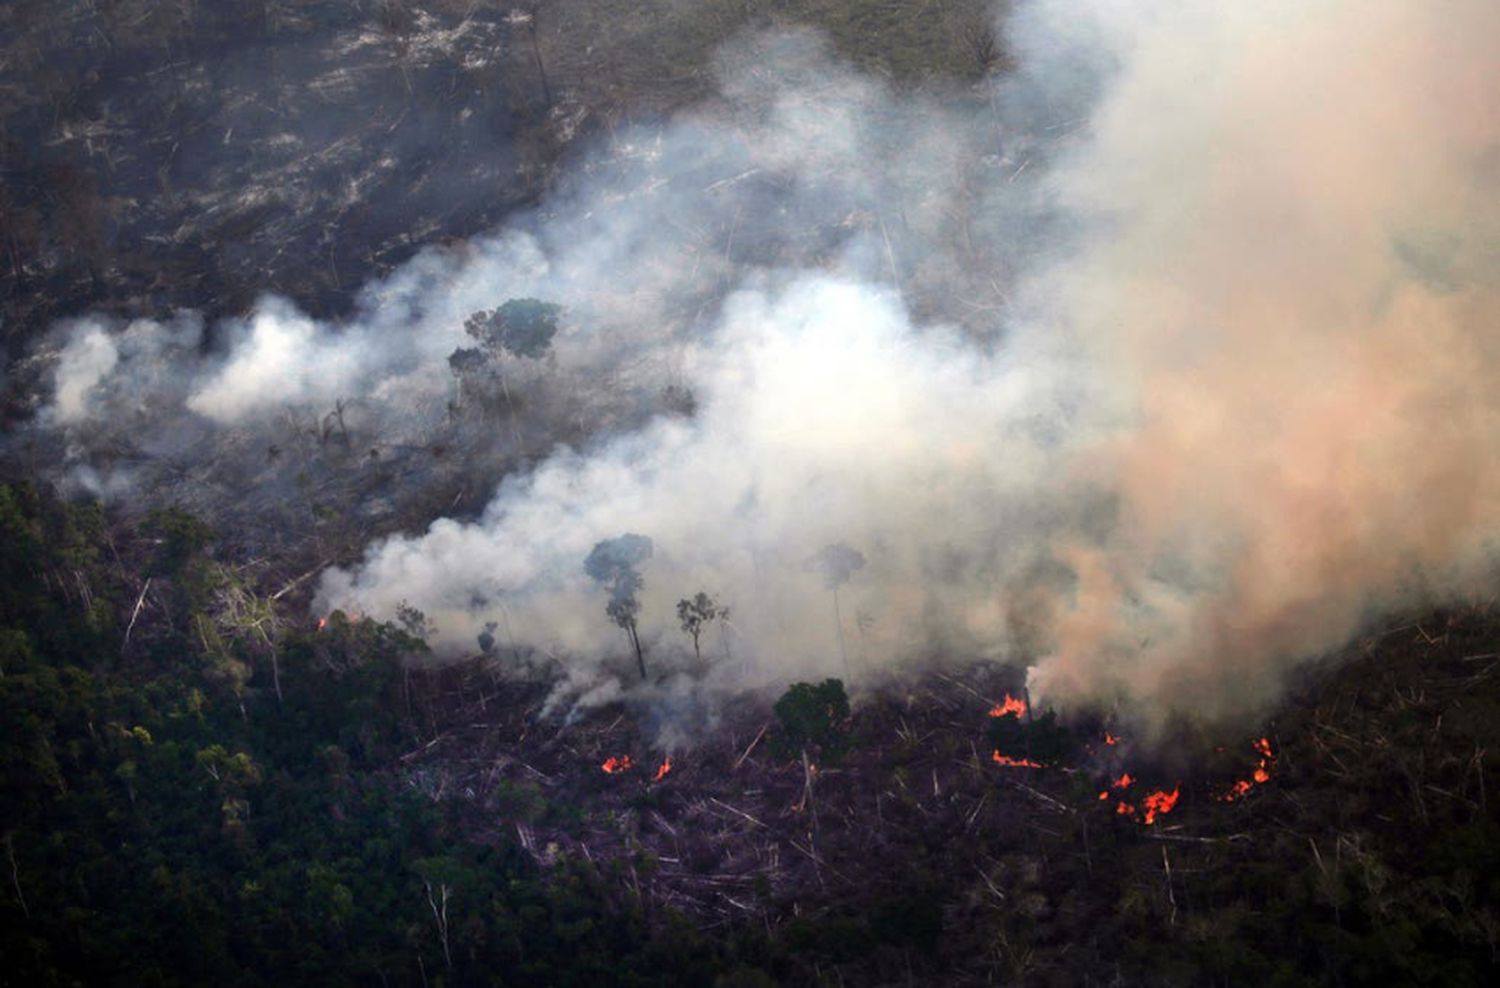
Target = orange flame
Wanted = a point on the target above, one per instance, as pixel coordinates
(353, 617)
(1260, 776)
(621, 763)
(1000, 759)
(666, 766)
(1154, 805)
(1161, 802)
(1012, 707)
(1110, 738)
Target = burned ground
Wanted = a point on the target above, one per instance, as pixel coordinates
(196, 155)
(918, 859)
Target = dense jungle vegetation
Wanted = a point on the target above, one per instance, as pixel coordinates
(190, 800)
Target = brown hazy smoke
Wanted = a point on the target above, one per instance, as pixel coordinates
(1299, 295)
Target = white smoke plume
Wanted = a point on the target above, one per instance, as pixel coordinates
(1162, 366)
(823, 418)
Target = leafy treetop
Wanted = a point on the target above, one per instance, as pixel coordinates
(523, 327)
(813, 718)
(837, 562)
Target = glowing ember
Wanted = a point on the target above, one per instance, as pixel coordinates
(666, 766)
(1012, 707)
(1124, 809)
(1260, 776)
(353, 617)
(620, 764)
(1104, 795)
(1110, 738)
(1000, 759)
(1123, 782)
(1161, 802)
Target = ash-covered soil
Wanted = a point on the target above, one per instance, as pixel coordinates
(197, 154)
(1367, 785)
(165, 156)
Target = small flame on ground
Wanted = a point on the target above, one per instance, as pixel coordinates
(1012, 707)
(354, 617)
(1006, 760)
(1161, 802)
(1110, 739)
(1154, 805)
(621, 763)
(1260, 776)
(666, 766)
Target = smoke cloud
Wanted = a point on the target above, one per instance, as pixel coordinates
(1298, 282)
(1161, 366)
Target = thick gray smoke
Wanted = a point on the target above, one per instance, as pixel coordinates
(1162, 366)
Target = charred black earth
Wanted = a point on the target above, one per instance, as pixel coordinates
(166, 156)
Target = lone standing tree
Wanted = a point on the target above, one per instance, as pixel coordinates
(837, 562)
(612, 564)
(696, 614)
(521, 328)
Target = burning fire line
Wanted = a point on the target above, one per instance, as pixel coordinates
(1160, 802)
(354, 617)
(1260, 776)
(1006, 760)
(1123, 782)
(1012, 707)
(617, 764)
(1152, 805)
(1155, 804)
